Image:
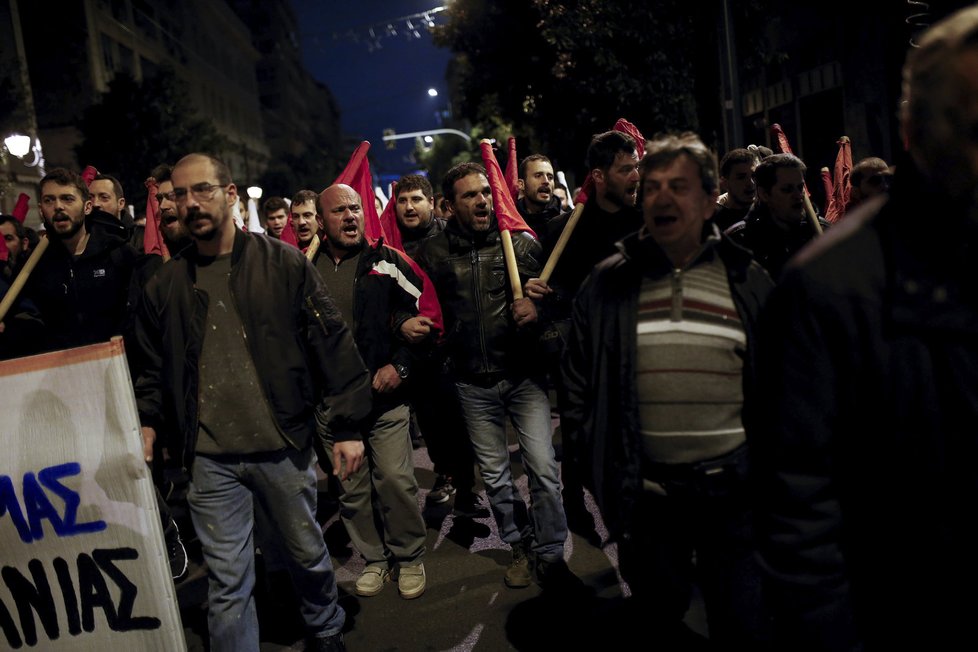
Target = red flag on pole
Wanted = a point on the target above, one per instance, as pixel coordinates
(785, 148)
(507, 217)
(838, 200)
(288, 233)
(512, 170)
(89, 174)
(357, 176)
(388, 221)
(152, 238)
(21, 208)
(826, 183)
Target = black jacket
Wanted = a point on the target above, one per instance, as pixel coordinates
(301, 349)
(771, 245)
(87, 299)
(412, 238)
(385, 295)
(600, 362)
(469, 274)
(538, 221)
(869, 377)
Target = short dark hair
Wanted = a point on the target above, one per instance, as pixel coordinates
(460, 171)
(766, 172)
(866, 167)
(65, 177)
(303, 196)
(116, 186)
(667, 148)
(530, 159)
(605, 147)
(414, 182)
(735, 157)
(221, 170)
(18, 227)
(161, 172)
(273, 204)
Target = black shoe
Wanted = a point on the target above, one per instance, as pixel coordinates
(557, 577)
(332, 643)
(469, 505)
(175, 550)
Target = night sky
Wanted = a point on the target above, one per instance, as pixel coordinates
(383, 89)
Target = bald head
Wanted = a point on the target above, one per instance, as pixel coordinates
(342, 210)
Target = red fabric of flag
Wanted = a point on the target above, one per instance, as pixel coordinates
(784, 145)
(512, 170)
(388, 221)
(357, 176)
(288, 233)
(21, 208)
(89, 174)
(152, 238)
(838, 200)
(507, 217)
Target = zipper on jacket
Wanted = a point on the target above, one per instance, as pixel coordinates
(676, 281)
(478, 307)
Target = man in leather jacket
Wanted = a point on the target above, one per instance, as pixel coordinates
(491, 343)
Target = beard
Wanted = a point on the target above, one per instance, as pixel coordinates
(64, 235)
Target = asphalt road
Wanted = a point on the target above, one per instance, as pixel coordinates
(466, 605)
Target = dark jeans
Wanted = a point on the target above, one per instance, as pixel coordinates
(435, 401)
(657, 561)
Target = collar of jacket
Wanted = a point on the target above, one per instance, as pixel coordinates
(461, 239)
(640, 249)
(929, 245)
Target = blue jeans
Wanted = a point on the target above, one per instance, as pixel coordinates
(223, 490)
(526, 404)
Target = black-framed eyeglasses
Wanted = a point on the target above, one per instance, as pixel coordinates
(200, 191)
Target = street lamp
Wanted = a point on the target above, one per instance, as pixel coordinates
(432, 92)
(254, 192)
(18, 144)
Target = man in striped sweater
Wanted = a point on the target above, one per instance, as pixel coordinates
(658, 363)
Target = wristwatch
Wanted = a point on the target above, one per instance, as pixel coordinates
(402, 370)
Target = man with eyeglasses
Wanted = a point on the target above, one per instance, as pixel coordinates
(241, 401)
(83, 285)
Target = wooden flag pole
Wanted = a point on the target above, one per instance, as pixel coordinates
(18, 284)
(565, 235)
(511, 269)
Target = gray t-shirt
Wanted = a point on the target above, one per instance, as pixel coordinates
(234, 416)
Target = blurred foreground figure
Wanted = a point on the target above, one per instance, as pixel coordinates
(869, 387)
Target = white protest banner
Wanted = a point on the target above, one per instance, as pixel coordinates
(82, 561)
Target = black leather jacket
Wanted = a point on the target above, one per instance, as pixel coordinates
(469, 275)
(301, 349)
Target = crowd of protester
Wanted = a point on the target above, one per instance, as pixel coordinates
(774, 406)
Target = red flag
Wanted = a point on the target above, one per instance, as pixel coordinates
(288, 233)
(357, 176)
(152, 238)
(838, 200)
(783, 145)
(89, 174)
(21, 208)
(623, 126)
(512, 170)
(507, 217)
(826, 183)
(388, 221)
